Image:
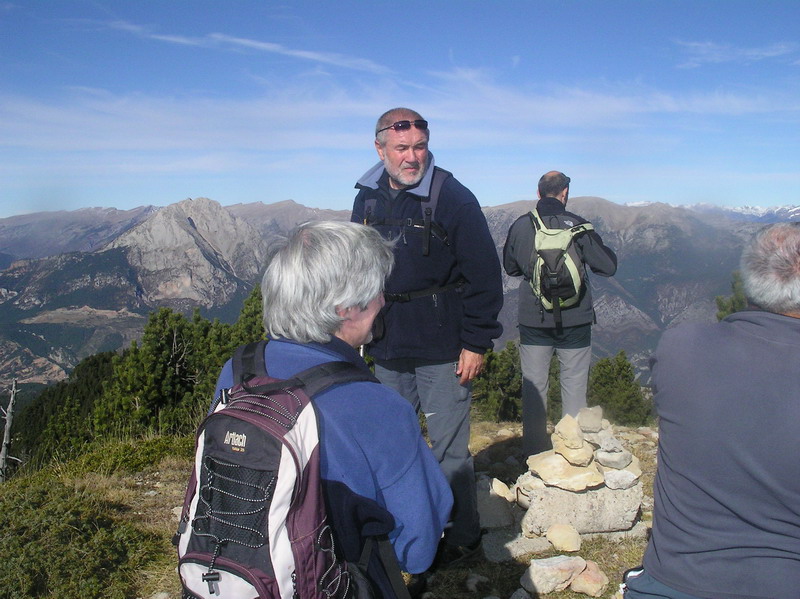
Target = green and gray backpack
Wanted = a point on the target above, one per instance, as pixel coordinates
(557, 273)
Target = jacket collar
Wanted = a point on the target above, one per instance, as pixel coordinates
(372, 179)
(548, 206)
(768, 325)
(335, 348)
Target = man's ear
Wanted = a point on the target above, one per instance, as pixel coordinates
(379, 149)
(342, 312)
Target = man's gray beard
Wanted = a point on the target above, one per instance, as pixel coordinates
(414, 183)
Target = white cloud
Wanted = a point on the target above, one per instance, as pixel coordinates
(227, 41)
(329, 58)
(701, 53)
(303, 114)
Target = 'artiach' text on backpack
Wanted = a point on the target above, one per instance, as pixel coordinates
(557, 273)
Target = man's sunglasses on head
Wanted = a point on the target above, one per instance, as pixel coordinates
(405, 125)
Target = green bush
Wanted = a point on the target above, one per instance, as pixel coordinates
(131, 456)
(613, 386)
(736, 302)
(498, 389)
(59, 542)
(554, 407)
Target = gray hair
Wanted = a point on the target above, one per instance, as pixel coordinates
(770, 268)
(396, 114)
(322, 266)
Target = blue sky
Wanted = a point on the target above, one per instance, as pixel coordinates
(128, 103)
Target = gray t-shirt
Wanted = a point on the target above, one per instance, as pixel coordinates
(726, 523)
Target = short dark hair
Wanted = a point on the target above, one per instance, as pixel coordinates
(553, 183)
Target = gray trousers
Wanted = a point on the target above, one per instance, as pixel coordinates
(535, 361)
(433, 388)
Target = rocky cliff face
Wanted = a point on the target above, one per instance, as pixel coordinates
(84, 230)
(63, 297)
(193, 253)
(190, 254)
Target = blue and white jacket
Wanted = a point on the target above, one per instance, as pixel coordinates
(371, 452)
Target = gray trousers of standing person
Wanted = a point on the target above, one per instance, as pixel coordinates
(434, 389)
(573, 347)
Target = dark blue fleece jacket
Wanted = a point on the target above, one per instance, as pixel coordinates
(437, 326)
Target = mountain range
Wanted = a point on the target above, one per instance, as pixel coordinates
(73, 283)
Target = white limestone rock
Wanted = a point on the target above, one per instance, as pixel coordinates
(614, 459)
(570, 432)
(556, 471)
(494, 510)
(594, 510)
(590, 419)
(520, 491)
(551, 574)
(619, 479)
(592, 581)
(564, 537)
(582, 456)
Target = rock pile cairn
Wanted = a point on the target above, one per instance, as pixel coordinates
(588, 484)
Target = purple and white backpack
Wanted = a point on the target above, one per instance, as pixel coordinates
(254, 522)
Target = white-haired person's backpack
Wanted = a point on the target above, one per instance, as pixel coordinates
(254, 523)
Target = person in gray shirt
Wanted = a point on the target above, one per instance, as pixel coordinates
(726, 520)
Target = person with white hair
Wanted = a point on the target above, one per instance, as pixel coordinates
(321, 292)
(726, 520)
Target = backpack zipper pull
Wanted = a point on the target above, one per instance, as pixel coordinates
(212, 578)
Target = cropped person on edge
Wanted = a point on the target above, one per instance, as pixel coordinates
(539, 335)
(321, 292)
(442, 302)
(726, 520)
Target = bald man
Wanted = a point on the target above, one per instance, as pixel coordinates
(538, 331)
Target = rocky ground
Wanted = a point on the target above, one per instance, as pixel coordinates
(156, 496)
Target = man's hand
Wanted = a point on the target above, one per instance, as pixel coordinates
(470, 365)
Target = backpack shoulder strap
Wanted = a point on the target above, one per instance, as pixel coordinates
(388, 560)
(536, 220)
(439, 177)
(429, 206)
(538, 224)
(248, 361)
(318, 378)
